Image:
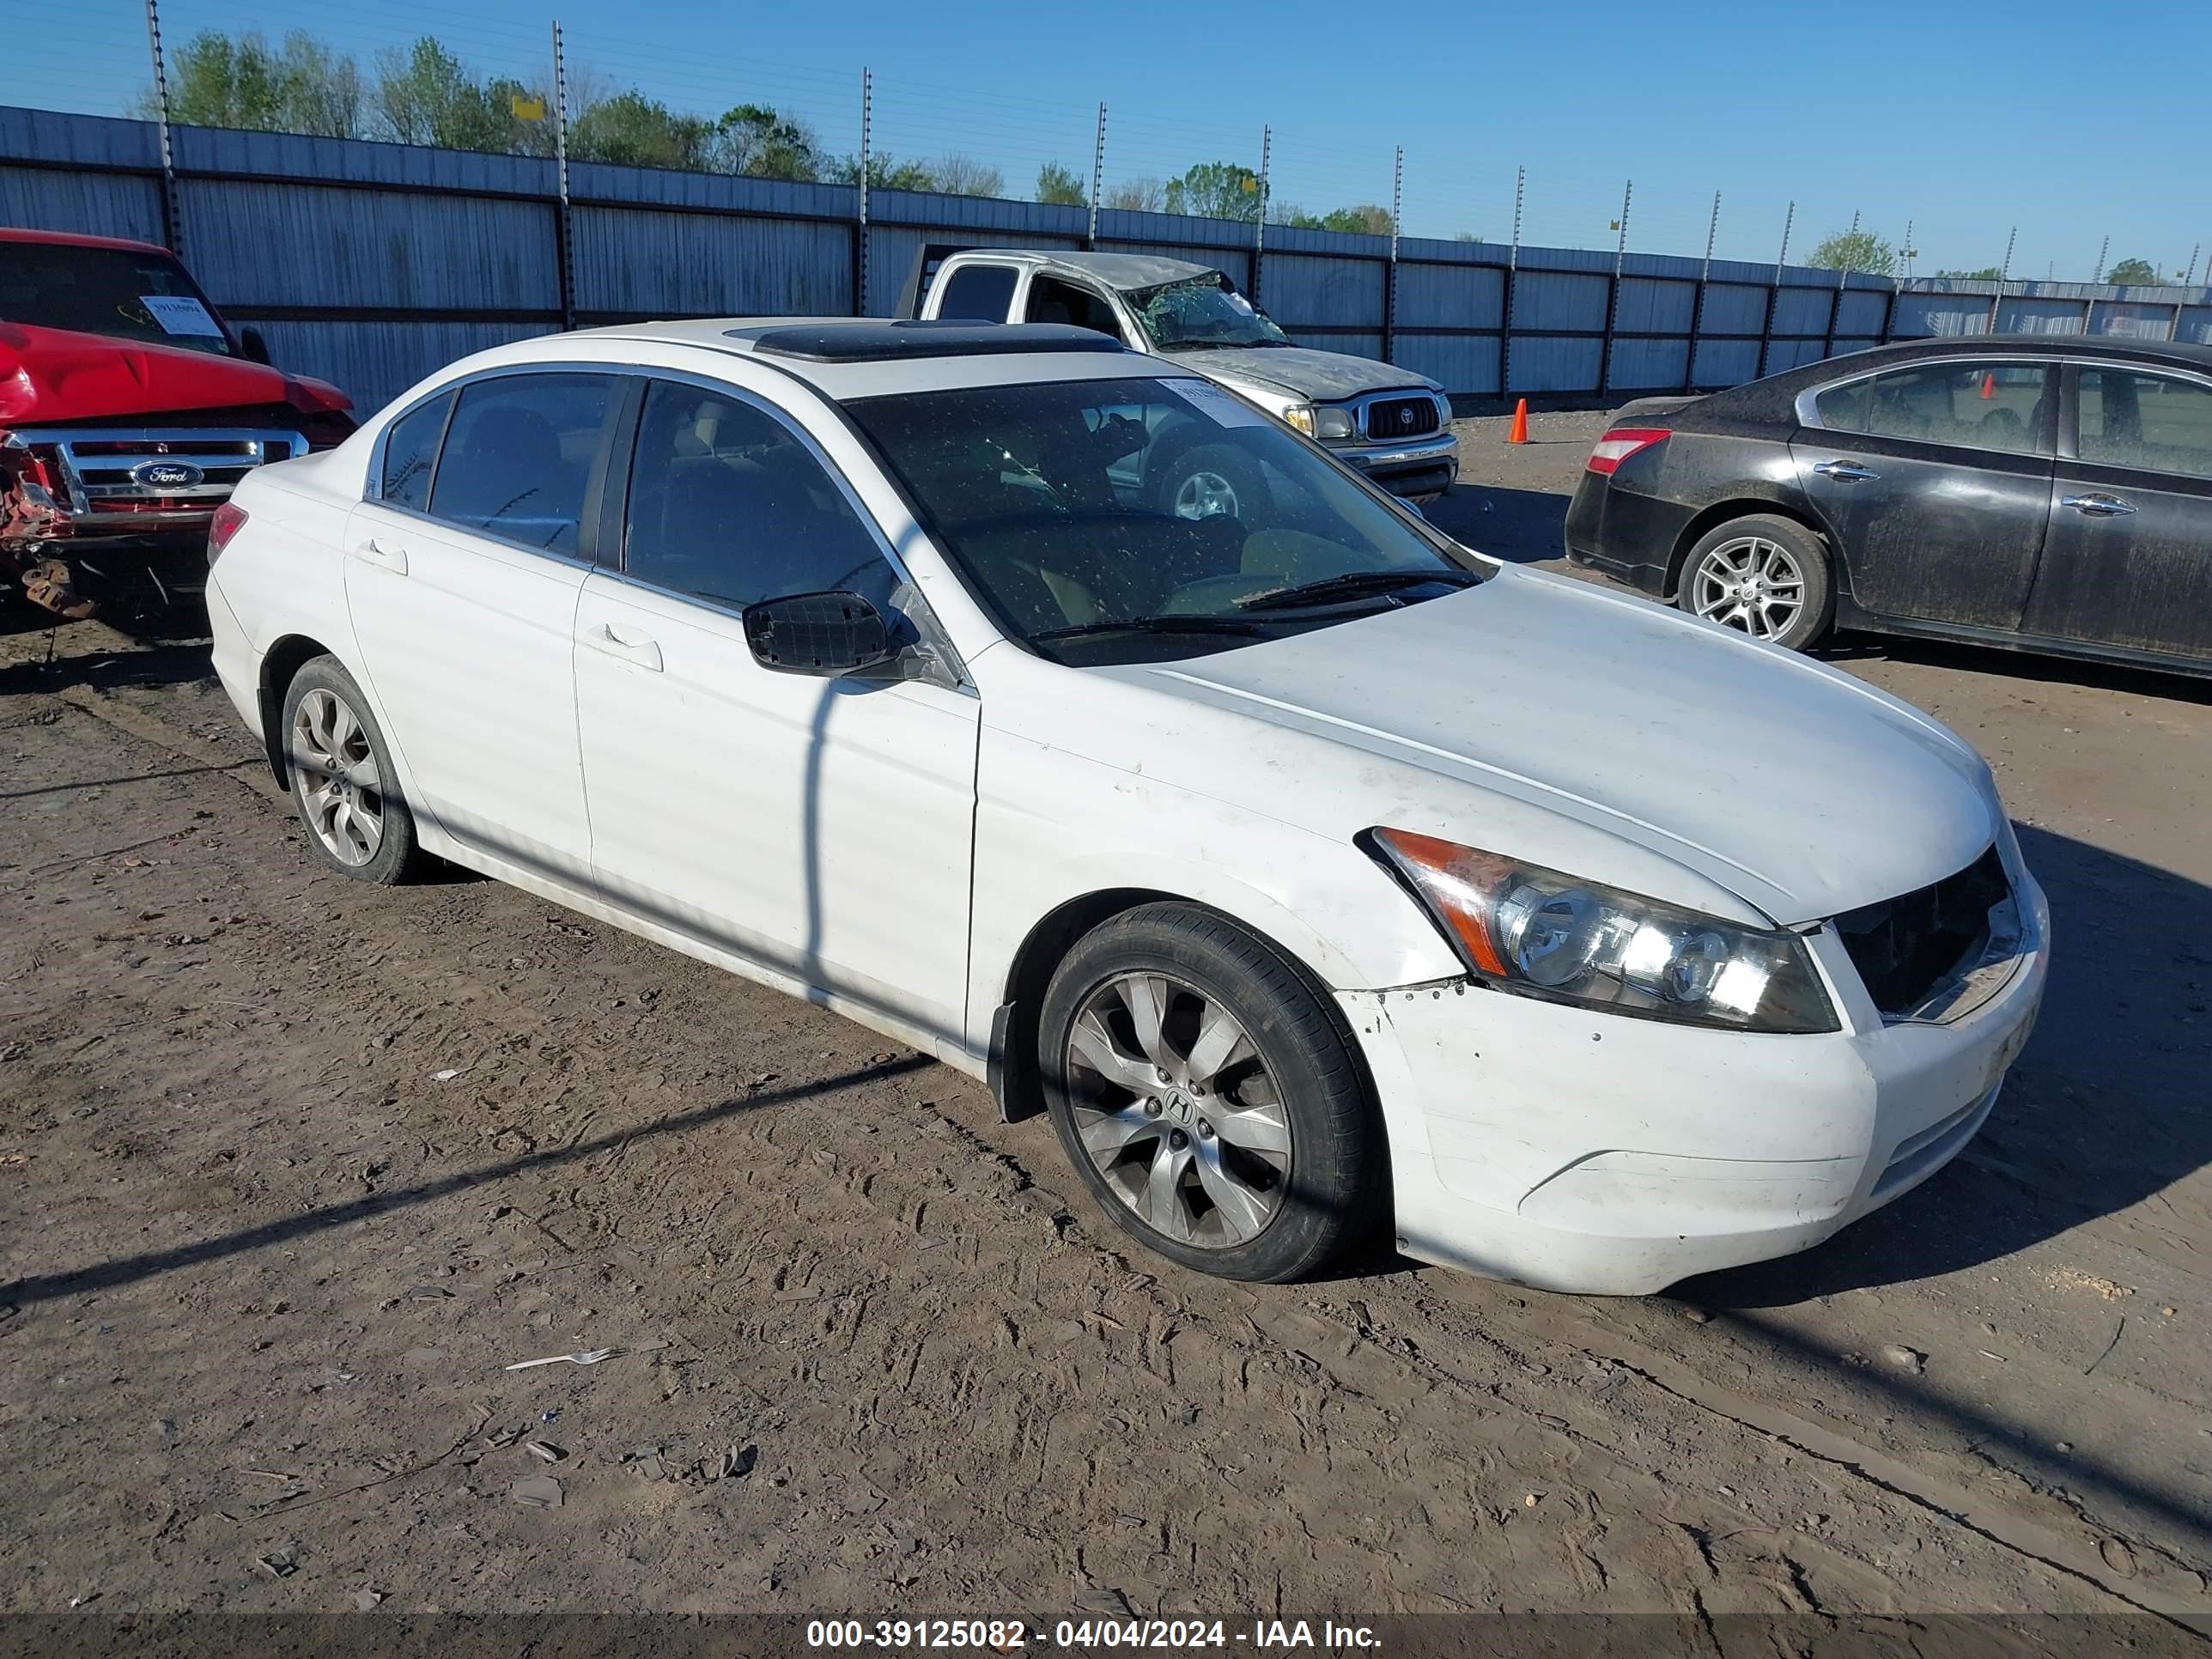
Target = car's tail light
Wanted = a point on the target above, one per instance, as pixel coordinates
(228, 521)
(1617, 444)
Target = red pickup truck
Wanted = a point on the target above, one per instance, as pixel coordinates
(129, 408)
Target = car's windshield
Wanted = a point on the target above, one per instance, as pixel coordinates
(116, 291)
(1201, 311)
(1129, 520)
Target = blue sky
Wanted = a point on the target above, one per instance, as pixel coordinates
(1964, 121)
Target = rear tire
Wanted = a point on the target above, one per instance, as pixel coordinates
(342, 778)
(1205, 1092)
(1761, 574)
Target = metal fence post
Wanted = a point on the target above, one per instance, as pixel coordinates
(861, 226)
(172, 228)
(1097, 177)
(1843, 281)
(1390, 292)
(2103, 248)
(1512, 288)
(2005, 272)
(1697, 305)
(1613, 295)
(564, 233)
(1774, 294)
(2189, 275)
(1259, 225)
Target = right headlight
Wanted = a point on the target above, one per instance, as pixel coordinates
(1543, 933)
(1335, 426)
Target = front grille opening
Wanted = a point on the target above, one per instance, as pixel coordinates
(1401, 417)
(1904, 947)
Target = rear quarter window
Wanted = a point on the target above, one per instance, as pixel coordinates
(410, 449)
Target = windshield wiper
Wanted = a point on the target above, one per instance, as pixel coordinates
(1354, 585)
(1237, 625)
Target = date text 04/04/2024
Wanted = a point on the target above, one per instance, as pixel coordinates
(1013, 1635)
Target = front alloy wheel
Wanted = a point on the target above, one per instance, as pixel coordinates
(1177, 1111)
(1753, 583)
(1207, 1092)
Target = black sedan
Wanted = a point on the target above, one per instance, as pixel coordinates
(2042, 493)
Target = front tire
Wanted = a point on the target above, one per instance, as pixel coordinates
(1206, 1094)
(342, 778)
(1761, 574)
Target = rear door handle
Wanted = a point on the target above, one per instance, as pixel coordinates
(394, 559)
(2097, 506)
(1846, 471)
(643, 653)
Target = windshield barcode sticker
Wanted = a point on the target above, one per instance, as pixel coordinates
(180, 313)
(1225, 408)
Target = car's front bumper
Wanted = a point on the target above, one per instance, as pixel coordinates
(1575, 1150)
(1419, 471)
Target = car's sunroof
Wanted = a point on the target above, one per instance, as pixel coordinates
(876, 343)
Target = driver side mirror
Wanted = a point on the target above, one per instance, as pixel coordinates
(822, 634)
(252, 346)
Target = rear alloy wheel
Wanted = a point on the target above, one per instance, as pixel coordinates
(1763, 575)
(341, 776)
(1206, 1093)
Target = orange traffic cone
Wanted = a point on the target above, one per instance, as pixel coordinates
(1988, 386)
(1519, 435)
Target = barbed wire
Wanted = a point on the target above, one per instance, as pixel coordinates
(1004, 143)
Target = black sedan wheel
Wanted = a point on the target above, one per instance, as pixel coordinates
(1762, 574)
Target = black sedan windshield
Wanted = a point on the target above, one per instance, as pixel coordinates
(1125, 520)
(115, 291)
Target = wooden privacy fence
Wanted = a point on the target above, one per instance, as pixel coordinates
(370, 264)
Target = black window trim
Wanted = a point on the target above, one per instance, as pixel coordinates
(2069, 416)
(589, 516)
(1808, 412)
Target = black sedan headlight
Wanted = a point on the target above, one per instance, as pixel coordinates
(1540, 933)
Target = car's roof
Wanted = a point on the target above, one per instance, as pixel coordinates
(830, 353)
(71, 239)
(1127, 272)
(1772, 401)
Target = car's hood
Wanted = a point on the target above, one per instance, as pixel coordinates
(1801, 791)
(59, 374)
(1322, 375)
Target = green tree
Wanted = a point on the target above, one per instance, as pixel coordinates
(2132, 271)
(426, 95)
(1059, 186)
(1365, 221)
(1855, 250)
(302, 86)
(1215, 189)
(885, 172)
(631, 130)
(1980, 274)
(755, 141)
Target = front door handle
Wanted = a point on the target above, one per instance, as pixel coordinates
(2097, 506)
(1846, 471)
(393, 558)
(643, 653)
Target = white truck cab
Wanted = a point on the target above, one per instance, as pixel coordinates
(1393, 425)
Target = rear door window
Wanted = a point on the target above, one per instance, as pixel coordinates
(978, 294)
(519, 457)
(2157, 423)
(1995, 406)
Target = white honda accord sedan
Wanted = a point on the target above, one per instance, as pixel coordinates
(1313, 873)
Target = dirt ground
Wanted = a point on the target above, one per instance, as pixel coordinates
(290, 1169)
